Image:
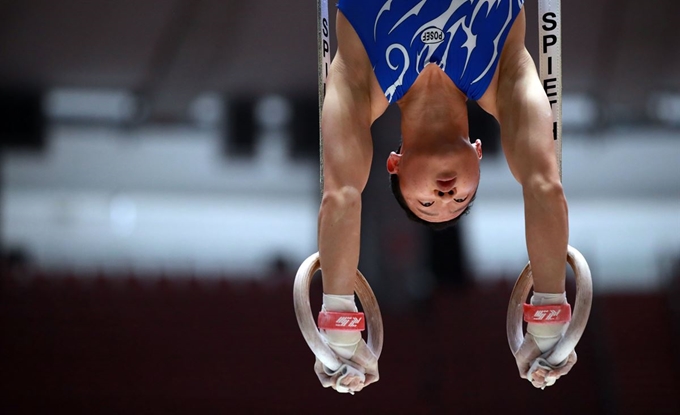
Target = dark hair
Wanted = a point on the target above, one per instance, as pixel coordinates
(437, 226)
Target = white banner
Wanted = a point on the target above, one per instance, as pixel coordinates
(550, 64)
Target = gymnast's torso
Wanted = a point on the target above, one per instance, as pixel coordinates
(464, 38)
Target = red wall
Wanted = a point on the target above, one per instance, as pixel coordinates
(124, 346)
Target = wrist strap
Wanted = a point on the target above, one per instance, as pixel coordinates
(547, 314)
(333, 320)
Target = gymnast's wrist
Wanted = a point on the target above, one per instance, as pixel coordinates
(547, 335)
(343, 342)
(339, 303)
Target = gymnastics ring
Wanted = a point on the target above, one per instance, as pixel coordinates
(308, 327)
(582, 304)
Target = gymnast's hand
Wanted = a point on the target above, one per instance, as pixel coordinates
(355, 373)
(537, 370)
(540, 340)
(359, 365)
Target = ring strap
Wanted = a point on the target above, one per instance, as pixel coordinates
(332, 320)
(547, 314)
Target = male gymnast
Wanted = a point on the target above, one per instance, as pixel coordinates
(429, 57)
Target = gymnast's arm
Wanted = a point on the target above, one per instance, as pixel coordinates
(347, 154)
(347, 115)
(526, 135)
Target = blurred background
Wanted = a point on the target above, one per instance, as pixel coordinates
(160, 186)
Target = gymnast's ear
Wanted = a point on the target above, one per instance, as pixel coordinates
(393, 162)
(478, 147)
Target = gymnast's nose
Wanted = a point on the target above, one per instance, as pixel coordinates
(445, 196)
(445, 186)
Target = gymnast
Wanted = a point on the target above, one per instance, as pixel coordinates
(429, 57)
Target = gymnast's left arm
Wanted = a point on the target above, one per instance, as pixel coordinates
(526, 133)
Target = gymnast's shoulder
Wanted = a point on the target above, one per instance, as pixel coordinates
(352, 67)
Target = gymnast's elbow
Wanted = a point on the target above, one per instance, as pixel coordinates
(338, 201)
(544, 187)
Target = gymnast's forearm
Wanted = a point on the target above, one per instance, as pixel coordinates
(547, 234)
(339, 237)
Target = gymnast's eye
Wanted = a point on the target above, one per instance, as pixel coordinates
(427, 204)
(460, 200)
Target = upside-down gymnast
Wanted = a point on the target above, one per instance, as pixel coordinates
(429, 57)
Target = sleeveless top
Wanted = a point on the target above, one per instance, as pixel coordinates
(463, 37)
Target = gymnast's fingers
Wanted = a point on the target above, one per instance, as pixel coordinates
(564, 369)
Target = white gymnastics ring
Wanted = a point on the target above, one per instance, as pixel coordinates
(310, 331)
(579, 319)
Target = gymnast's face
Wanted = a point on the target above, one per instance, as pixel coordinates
(438, 186)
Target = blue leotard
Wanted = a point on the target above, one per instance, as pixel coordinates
(464, 37)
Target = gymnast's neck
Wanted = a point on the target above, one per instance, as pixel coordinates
(433, 108)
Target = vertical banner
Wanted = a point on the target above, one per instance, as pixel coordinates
(324, 62)
(550, 64)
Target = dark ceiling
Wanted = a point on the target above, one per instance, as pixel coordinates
(619, 51)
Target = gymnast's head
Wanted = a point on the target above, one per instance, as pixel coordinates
(436, 184)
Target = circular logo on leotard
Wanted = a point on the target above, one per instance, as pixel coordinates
(432, 35)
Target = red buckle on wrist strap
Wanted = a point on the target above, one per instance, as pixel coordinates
(332, 320)
(547, 314)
